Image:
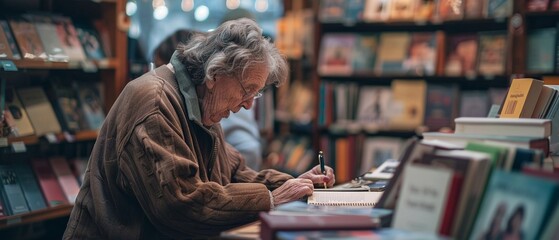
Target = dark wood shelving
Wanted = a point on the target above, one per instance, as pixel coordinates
(451, 25)
(86, 135)
(36, 216)
(47, 65)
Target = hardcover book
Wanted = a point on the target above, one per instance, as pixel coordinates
(8, 49)
(540, 57)
(27, 38)
(521, 98)
(392, 52)
(23, 125)
(364, 54)
(498, 8)
(461, 55)
(441, 106)
(473, 9)
(332, 11)
(525, 127)
(66, 178)
(450, 10)
(376, 10)
(408, 104)
(492, 53)
(12, 194)
(401, 10)
(90, 41)
(68, 38)
(336, 55)
(48, 34)
(29, 185)
(91, 104)
(374, 107)
(54, 195)
(514, 206)
(40, 110)
(66, 105)
(377, 150)
(422, 54)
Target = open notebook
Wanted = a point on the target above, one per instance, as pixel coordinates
(343, 198)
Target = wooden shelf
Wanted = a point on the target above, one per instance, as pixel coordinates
(484, 24)
(86, 135)
(47, 65)
(36, 216)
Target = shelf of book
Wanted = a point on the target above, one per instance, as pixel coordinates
(484, 24)
(36, 216)
(48, 65)
(85, 135)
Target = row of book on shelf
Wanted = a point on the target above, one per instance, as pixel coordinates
(340, 11)
(50, 37)
(34, 183)
(405, 105)
(483, 189)
(61, 105)
(432, 53)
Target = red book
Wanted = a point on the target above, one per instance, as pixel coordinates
(66, 178)
(49, 183)
(451, 203)
(272, 223)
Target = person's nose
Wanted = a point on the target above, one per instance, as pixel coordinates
(247, 104)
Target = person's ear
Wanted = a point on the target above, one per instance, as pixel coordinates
(210, 83)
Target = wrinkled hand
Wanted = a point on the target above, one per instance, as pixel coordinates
(292, 190)
(316, 176)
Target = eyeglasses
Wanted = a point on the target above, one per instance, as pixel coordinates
(247, 95)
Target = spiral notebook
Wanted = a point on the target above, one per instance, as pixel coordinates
(344, 198)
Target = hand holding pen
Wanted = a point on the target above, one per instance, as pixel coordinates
(320, 174)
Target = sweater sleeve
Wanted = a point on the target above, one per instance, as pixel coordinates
(164, 178)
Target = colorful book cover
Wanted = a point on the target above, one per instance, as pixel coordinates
(536, 5)
(364, 54)
(5, 49)
(336, 55)
(54, 195)
(90, 41)
(450, 10)
(66, 105)
(69, 38)
(515, 206)
(498, 8)
(49, 37)
(492, 53)
(461, 56)
(39, 109)
(354, 11)
(13, 197)
(422, 54)
(521, 98)
(392, 52)
(541, 50)
(27, 38)
(376, 10)
(66, 178)
(29, 185)
(377, 150)
(441, 106)
(11, 42)
(424, 10)
(91, 104)
(401, 10)
(408, 104)
(374, 107)
(332, 11)
(23, 125)
(473, 9)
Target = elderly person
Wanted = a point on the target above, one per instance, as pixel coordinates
(160, 167)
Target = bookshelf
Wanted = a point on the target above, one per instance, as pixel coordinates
(516, 26)
(110, 72)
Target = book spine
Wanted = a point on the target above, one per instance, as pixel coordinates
(14, 198)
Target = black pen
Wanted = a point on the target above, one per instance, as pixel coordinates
(321, 162)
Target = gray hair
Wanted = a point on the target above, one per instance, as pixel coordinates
(232, 49)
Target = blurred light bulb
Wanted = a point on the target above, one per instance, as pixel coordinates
(187, 5)
(261, 5)
(233, 4)
(201, 13)
(131, 8)
(160, 12)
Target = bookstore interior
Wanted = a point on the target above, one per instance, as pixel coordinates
(440, 118)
